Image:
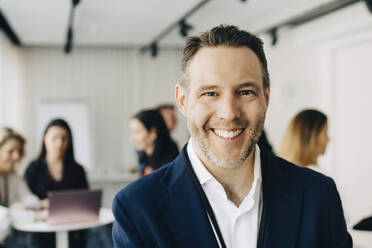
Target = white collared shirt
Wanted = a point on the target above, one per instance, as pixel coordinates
(238, 225)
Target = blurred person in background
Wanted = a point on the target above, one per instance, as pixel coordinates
(306, 139)
(56, 169)
(152, 140)
(169, 116)
(17, 203)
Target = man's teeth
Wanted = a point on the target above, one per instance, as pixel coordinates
(228, 134)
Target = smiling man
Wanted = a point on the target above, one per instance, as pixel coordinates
(223, 190)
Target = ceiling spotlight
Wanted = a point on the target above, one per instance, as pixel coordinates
(274, 36)
(184, 28)
(154, 49)
(75, 2)
(369, 5)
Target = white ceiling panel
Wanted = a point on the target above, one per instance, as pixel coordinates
(253, 15)
(37, 21)
(124, 22)
(136, 23)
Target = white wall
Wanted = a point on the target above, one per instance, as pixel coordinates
(299, 64)
(114, 82)
(11, 84)
(294, 83)
(12, 89)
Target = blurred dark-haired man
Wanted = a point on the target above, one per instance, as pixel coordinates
(169, 115)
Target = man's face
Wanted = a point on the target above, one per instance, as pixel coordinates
(224, 104)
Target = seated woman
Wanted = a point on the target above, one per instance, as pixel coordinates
(305, 139)
(56, 169)
(14, 194)
(152, 140)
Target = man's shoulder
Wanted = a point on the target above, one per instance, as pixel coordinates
(315, 189)
(297, 175)
(153, 186)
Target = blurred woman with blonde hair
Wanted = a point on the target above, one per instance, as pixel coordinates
(306, 138)
(16, 201)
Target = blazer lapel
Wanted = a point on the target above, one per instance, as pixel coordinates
(183, 211)
(187, 221)
(283, 204)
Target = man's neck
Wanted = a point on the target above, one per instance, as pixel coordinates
(236, 182)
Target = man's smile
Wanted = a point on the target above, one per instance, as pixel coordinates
(228, 134)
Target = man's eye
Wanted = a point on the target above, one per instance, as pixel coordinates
(246, 92)
(209, 94)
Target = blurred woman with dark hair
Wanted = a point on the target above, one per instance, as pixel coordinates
(57, 169)
(152, 140)
(306, 138)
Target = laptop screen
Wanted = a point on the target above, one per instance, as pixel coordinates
(71, 206)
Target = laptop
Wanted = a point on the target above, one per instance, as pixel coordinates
(72, 206)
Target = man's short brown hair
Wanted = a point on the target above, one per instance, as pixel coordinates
(224, 35)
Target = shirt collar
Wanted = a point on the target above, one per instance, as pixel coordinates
(204, 175)
(201, 172)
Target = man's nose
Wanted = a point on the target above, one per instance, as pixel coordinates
(228, 108)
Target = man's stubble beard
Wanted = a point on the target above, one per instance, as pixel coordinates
(203, 146)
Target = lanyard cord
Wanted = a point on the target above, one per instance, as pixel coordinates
(206, 204)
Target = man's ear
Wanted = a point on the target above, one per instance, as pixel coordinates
(181, 99)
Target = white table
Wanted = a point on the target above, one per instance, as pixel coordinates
(361, 239)
(105, 217)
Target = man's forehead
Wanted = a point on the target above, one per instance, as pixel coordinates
(212, 63)
(210, 52)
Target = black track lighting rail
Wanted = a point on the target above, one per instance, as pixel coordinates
(4, 25)
(306, 17)
(70, 32)
(167, 30)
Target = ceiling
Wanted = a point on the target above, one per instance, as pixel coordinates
(137, 23)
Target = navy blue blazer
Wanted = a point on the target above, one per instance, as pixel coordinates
(302, 209)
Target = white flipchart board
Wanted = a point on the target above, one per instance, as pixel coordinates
(76, 115)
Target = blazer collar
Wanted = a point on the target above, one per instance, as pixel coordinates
(183, 210)
(282, 199)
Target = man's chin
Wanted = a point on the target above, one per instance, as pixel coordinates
(226, 163)
(234, 160)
